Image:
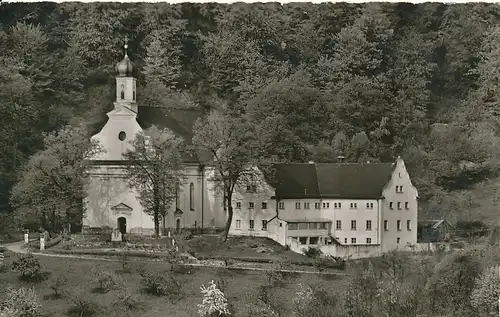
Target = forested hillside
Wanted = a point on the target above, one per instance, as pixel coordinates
(370, 82)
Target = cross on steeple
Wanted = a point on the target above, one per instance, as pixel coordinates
(126, 45)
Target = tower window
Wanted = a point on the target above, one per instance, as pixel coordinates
(122, 136)
(122, 95)
(133, 95)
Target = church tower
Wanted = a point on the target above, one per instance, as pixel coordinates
(125, 84)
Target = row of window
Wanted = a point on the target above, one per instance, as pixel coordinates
(391, 205)
(252, 224)
(368, 240)
(306, 205)
(318, 240)
(338, 225)
(307, 225)
(251, 205)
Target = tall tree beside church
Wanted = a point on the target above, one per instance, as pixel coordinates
(52, 184)
(154, 170)
(231, 142)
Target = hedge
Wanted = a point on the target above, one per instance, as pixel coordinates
(332, 265)
(130, 253)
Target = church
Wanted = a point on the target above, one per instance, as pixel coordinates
(111, 202)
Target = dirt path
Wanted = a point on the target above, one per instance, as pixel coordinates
(16, 247)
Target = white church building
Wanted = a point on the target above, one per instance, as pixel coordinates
(111, 202)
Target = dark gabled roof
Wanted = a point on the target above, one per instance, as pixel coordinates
(332, 180)
(434, 224)
(179, 121)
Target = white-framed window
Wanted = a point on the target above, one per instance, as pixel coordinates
(338, 224)
(281, 205)
(407, 205)
(252, 224)
(369, 205)
(368, 225)
(264, 225)
(238, 224)
(353, 240)
(399, 189)
(306, 205)
(345, 240)
(251, 205)
(263, 205)
(391, 205)
(399, 225)
(238, 204)
(353, 224)
(326, 205)
(323, 225)
(337, 205)
(408, 225)
(354, 205)
(297, 205)
(398, 240)
(317, 205)
(386, 225)
(293, 226)
(368, 240)
(399, 205)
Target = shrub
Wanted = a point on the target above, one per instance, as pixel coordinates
(28, 267)
(275, 274)
(106, 280)
(56, 284)
(124, 256)
(82, 306)
(127, 300)
(154, 283)
(21, 302)
(313, 252)
(214, 302)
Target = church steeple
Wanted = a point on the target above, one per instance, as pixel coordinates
(125, 83)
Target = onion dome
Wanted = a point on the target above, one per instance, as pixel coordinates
(125, 67)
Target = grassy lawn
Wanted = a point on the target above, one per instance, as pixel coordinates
(246, 247)
(242, 288)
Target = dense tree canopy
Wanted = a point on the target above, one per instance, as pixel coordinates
(369, 82)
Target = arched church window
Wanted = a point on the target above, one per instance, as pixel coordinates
(122, 94)
(177, 195)
(191, 196)
(133, 95)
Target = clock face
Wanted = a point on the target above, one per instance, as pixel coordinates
(123, 86)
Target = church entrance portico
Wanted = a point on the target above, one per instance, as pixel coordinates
(121, 223)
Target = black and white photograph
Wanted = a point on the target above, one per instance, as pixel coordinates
(249, 159)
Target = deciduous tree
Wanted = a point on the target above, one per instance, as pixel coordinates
(154, 170)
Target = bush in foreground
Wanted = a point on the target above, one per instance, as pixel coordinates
(28, 267)
(214, 302)
(21, 302)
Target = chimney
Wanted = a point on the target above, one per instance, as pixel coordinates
(311, 162)
(340, 159)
